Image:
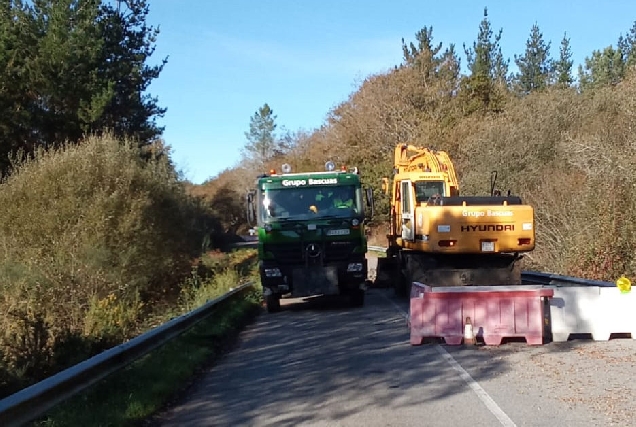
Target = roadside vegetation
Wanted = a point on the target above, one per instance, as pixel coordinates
(143, 389)
(101, 237)
(98, 245)
(560, 136)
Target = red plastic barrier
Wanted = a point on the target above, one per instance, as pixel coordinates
(495, 313)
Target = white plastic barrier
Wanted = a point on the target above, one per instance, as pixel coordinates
(595, 310)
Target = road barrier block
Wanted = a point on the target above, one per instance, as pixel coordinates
(595, 310)
(495, 312)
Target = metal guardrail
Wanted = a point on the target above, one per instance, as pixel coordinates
(252, 244)
(32, 402)
(539, 278)
(558, 280)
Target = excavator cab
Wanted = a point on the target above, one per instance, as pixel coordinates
(425, 190)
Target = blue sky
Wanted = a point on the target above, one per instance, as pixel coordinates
(228, 58)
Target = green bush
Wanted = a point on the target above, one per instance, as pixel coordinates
(90, 233)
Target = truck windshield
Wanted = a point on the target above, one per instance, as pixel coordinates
(311, 202)
(424, 190)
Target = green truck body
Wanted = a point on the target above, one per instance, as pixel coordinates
(311, 234)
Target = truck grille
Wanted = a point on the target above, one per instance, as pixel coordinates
(294, 253)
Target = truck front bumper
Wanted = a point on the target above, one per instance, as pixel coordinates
(339, 276)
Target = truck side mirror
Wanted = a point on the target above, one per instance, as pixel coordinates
(251, 209)
(370, 203)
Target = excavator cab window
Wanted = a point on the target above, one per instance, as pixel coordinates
(424, 190)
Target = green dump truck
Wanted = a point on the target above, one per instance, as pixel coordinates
(311, 236)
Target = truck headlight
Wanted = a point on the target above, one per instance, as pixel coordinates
(354, 266)
(272, 272)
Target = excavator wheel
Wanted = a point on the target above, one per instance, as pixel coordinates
(402, 276)
(401, 284)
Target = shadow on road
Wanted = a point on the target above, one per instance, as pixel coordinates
(319, 360)
(333, 303)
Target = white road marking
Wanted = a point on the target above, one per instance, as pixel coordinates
(485, 398)
(480, 392)
(397, 307)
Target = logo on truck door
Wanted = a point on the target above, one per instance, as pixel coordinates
(488, 227)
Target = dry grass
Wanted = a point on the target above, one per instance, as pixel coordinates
(222, 272)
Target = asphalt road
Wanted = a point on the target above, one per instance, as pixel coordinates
(321, 363)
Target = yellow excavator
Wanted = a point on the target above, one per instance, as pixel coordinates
(440, 238)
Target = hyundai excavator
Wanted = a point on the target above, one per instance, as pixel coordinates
(440, 238)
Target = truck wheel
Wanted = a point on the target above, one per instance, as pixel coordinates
(272, 302)
(357, 297)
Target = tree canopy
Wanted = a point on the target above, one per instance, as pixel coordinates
(488, 68)
(263, 143)
(535, 65)
(69, 68)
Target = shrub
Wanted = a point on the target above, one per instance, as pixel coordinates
(89, 233)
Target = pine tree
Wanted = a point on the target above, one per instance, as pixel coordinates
(563, 67)
(424, 56)
(64, 68)
(487, 66)
(128, 44)
(627, 46)
(432, 64)
(449, 69)
(261, 141)
(500, 66)
(18, 43)
(602, 69)
(480, 56)
(608, 67)
(535, 66)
